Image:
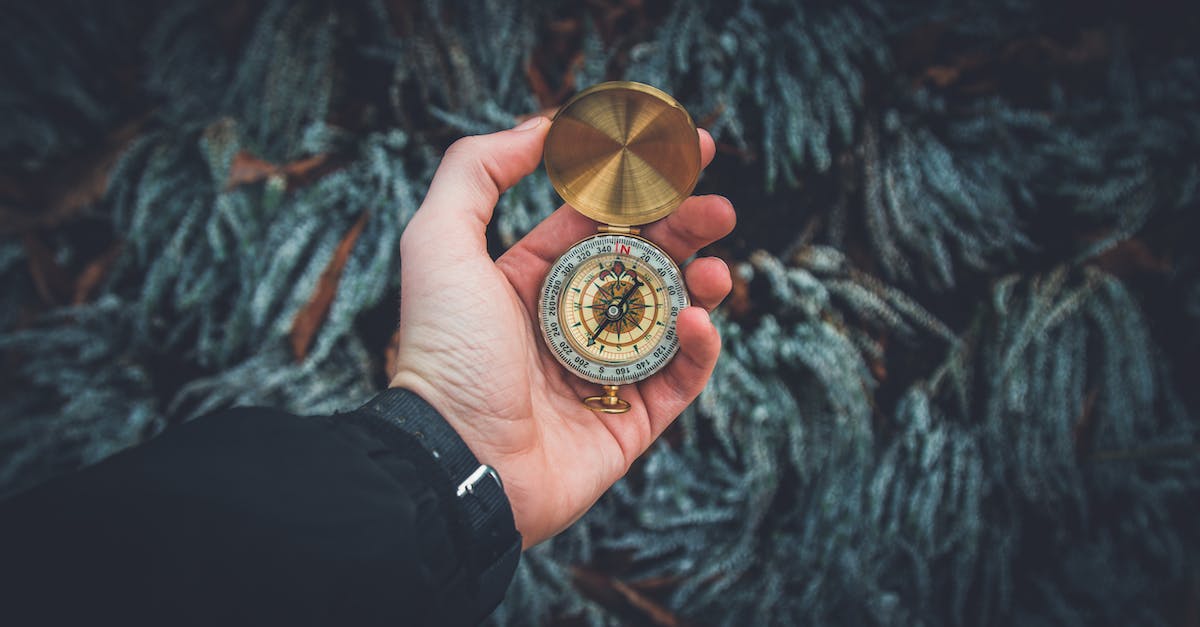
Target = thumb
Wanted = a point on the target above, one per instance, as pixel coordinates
(474, 172)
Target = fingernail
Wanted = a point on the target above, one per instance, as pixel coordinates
(531, 123)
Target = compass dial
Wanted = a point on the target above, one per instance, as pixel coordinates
(608, 308)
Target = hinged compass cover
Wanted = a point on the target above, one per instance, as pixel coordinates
(623, 153)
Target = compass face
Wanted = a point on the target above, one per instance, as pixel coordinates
(608, 308)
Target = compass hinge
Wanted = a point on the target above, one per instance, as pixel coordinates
(622, 230)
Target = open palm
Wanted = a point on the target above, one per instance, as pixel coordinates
(471, 347)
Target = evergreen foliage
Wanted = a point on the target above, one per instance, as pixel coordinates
(958, 378)
(792, 76)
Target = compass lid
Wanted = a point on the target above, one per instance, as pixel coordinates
(623, 153)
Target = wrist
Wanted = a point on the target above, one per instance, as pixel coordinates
(493, 436)
(488, 437)
(452, 412)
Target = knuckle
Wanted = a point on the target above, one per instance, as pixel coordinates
(470, 158)
(410, 235)
(405, 243)
(462, 148)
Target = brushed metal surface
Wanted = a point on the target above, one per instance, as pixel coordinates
(623, 153)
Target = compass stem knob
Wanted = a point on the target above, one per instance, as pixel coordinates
(610, 395)
(609, 402)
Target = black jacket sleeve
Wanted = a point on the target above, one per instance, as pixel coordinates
(249, 516)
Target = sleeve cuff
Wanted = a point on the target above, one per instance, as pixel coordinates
(471, 494)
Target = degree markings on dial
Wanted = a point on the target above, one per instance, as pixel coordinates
(619, 366)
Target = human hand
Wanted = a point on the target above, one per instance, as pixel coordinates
(470, 344)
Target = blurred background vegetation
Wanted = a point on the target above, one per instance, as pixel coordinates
(959, 383)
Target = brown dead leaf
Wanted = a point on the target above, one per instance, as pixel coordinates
(548, 97)
(657, 583)
(919, 47)
(306, 169)
(658, 614)
(1035, 57)
(614, 592)
(1087, 47)
(1086, 423)
(565, 27)
(942, 75)
(945, 75)
(744, 154)
(391, 354)
(568, 81)
(247, 169)
(49, 278)
(879, 366)
(614, 19)
(309, 319)
(738, 303)
(56, 194)
(1130, 258)
(709, 118)
(537, 83)
(94, 273)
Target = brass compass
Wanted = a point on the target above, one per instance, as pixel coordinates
(624, 154)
